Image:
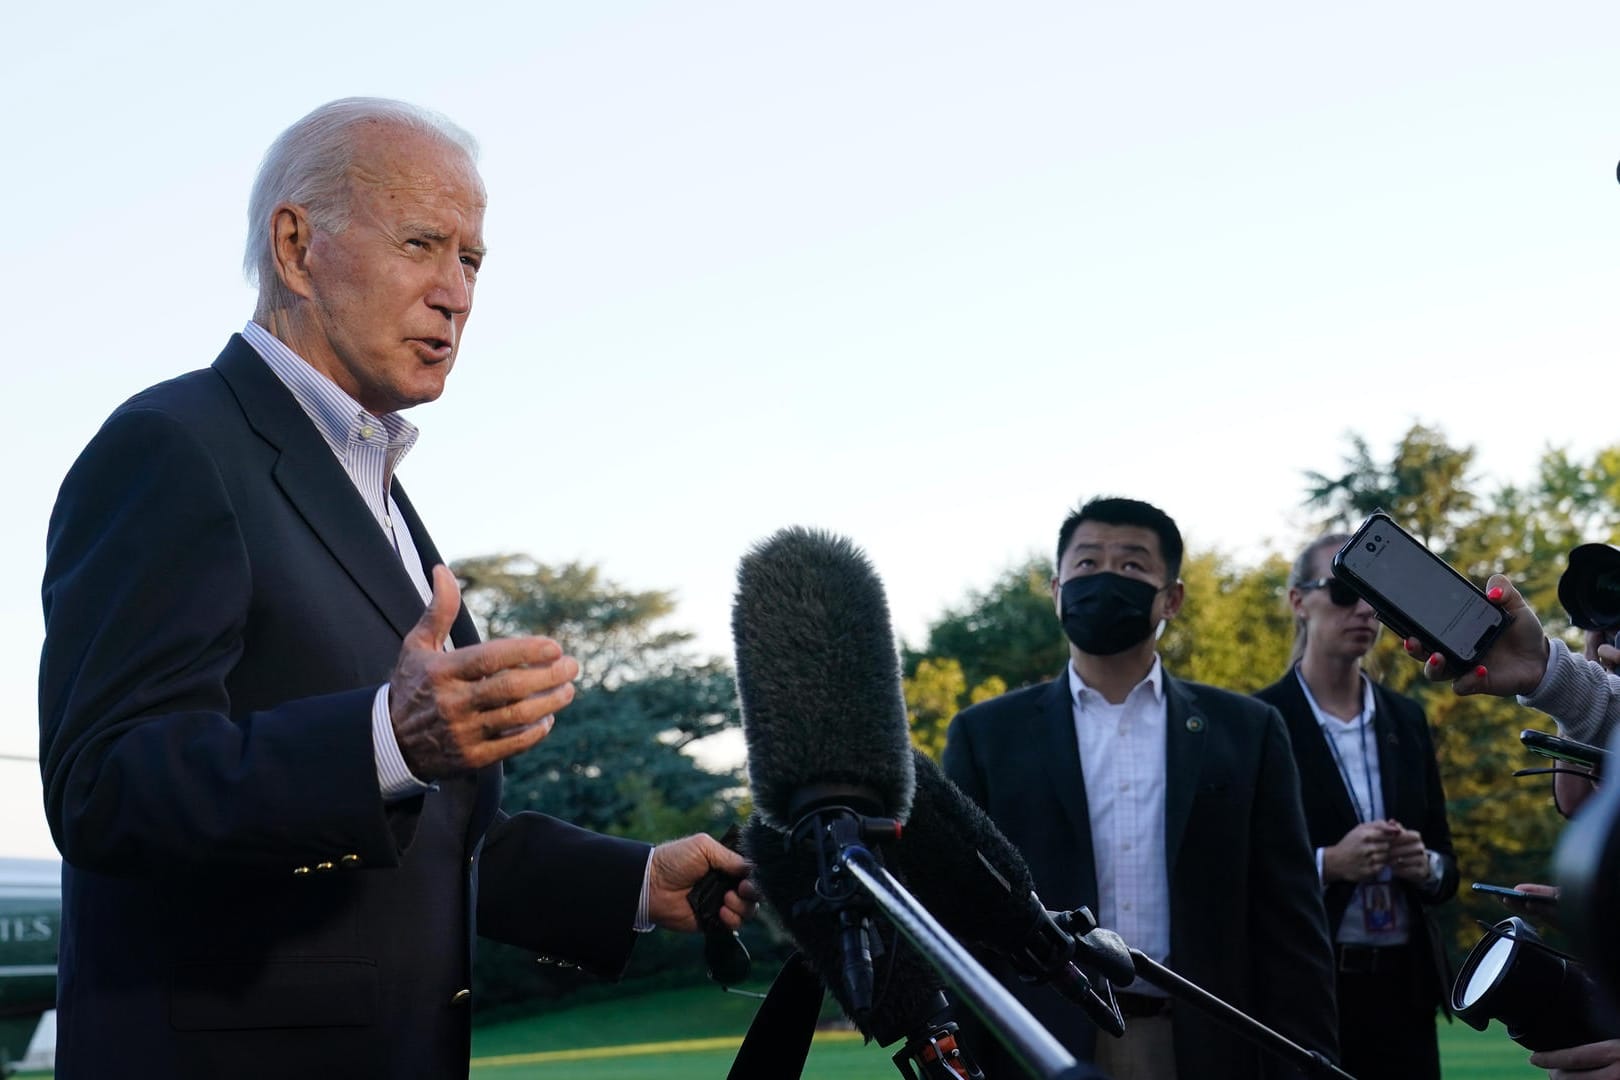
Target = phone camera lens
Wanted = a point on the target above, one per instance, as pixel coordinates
(1372, 547)
(1378, 538)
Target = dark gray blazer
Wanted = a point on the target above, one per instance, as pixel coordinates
(220, 607)
(1246, 919)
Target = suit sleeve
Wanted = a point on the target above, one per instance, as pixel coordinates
(561, 891)
(1293, 967)
(146, 770)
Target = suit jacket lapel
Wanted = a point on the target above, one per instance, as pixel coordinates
(1316, 761)
(1062, 756)
(1387, 743)
(313, 480)
(1184, 741)
(462, 632)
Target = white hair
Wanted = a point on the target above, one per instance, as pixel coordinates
(308, 165)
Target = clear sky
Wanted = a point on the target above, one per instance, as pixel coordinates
(925, 273)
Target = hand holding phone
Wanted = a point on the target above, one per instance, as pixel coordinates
(1514, 664)
(1538, 902)
(1601, 648)
(1546, 899)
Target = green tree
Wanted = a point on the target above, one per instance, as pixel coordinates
(1009, 631)
(937, 691)
(614, 762)
(1234, 630)
(1425, 485)
(1006, 635)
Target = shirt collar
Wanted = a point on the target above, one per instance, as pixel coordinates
(1154, 681)
(337, 416)
(1333, 723)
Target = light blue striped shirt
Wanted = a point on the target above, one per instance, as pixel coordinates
(369, 448)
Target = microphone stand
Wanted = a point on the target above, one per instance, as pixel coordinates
(1234, 1019)
(851, 881)
(934, 1051)
(1034, 1047)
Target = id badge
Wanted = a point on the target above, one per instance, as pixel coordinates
(1377, 907)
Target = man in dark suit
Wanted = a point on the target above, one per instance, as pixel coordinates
(1376, 813)
(1169, 808)
(274, 786)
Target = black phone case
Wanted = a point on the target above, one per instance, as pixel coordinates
(1390, 614)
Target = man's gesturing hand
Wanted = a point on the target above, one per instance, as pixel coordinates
(458, 711)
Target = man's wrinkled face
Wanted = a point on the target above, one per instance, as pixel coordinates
(390, 294)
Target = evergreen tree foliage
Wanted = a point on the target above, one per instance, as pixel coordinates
(613, 762)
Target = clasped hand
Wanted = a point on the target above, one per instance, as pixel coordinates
(458, 711)
(1373, 845)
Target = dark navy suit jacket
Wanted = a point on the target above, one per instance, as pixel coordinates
(1246, 919)
(238, 901)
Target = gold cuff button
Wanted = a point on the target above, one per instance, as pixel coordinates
(349, 862)
(323, 867)
(460, 997)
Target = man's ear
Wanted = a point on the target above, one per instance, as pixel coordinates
(1057, 597)
(290, 235)
(1173, 596)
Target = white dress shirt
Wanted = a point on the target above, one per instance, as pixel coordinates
(1122, 760)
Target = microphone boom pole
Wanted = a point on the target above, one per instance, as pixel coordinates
(1031, 1043)
(1234, 1019)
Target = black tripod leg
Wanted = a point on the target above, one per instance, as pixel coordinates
(778, 1040)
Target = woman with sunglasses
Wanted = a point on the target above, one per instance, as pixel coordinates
(1376, 814)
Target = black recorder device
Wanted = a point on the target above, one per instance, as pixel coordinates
(1416, 593)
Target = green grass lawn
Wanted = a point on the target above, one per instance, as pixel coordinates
(538, 1048)
(693, 1034)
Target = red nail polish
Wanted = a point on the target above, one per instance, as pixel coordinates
(1480, 671)
(1495, 593)
(1436, 659)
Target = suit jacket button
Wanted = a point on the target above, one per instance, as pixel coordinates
(323, 866)
(300, 871)
(349, 862)
(460, 997)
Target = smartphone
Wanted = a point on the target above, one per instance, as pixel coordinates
(1515, 894)
(1576, 753)
(1416, 593)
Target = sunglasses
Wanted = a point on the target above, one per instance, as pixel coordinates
(1338, 592)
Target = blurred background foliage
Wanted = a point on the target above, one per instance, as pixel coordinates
(1235, 630)
(621, 764)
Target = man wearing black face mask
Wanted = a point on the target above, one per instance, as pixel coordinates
(1170, 808)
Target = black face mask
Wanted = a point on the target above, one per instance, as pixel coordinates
(1107, 613)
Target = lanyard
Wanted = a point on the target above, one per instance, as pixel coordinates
(1365, 720)
(1344, 773)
